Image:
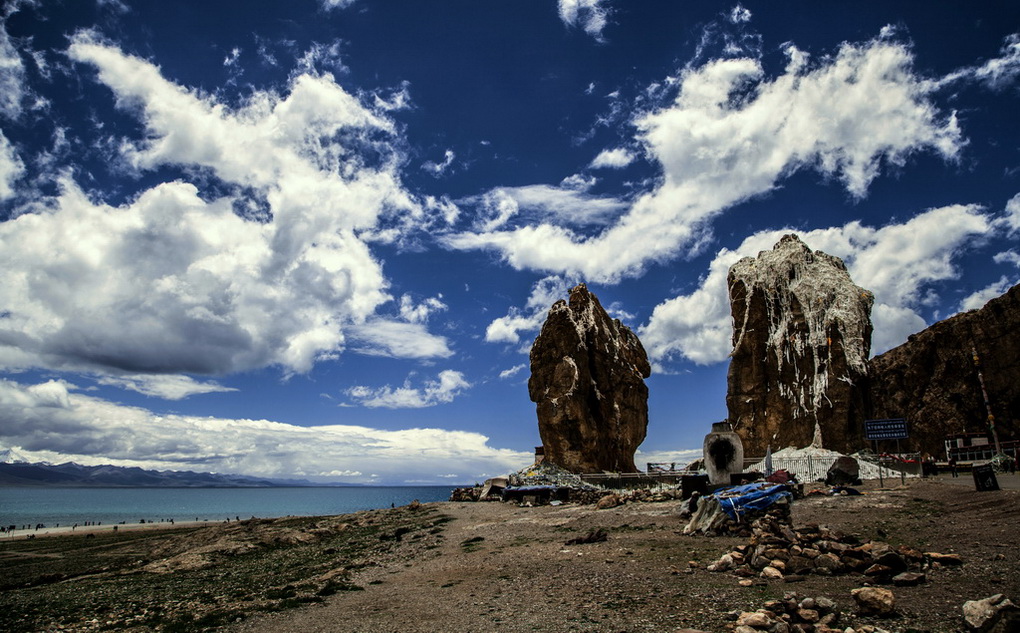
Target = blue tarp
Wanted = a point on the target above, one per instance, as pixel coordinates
(739, 500)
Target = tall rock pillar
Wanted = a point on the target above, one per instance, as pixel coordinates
(587, 380)
(801, 341)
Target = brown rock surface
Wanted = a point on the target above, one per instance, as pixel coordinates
(931, 380)
(801, 340)
(587, 380)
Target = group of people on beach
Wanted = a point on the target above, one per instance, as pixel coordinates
(4, 529)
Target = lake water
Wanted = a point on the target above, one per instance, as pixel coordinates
(66, 506)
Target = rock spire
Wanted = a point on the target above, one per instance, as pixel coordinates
(801, 341)
(587, 380)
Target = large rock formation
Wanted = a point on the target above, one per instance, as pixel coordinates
(801, 341)
(932, 380)
(587, 379)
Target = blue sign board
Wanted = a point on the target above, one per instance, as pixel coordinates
(895, 429)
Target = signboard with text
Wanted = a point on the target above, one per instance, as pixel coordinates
(895, 429)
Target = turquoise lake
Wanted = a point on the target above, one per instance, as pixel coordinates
(66, 506)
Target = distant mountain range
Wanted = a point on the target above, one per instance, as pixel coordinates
(71, 474)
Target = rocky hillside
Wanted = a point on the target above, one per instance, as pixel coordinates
(932, 379)
(587, 380)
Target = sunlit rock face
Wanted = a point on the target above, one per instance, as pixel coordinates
(932, 379)
(587, 380)
(801, 341)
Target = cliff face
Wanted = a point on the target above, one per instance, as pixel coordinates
(587, 380)
(801, 341)
(932, 381)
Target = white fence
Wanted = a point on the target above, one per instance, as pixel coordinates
(814, 468)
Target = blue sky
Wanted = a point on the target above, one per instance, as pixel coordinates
(317, 238)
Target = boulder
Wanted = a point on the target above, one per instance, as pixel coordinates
(874, 601)
(801, 341)
(611, 500)
(587, 380)
(995, 614)
(845, 471)
(909, 579)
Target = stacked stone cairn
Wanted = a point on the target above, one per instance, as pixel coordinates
(792, 614)
(795, 614)
(777, 551)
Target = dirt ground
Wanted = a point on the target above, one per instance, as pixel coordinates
(483, 567)
(504, 568)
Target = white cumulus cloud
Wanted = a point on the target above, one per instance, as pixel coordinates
(420, 312)
(57, 423)
(1012, 215)
(448, 385)
(616, 158)
(897, 262)
(544, 293)
(398, 339)
(168, 387)
(12, 75)
(329, 5)
(979, 298)
(513, 371)
(739, 14)
(589, 15)
(11, 168)
(733, 133)
(276, 271)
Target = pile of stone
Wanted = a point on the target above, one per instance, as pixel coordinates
(473, 493)
(792, 614)
(604, 499)
(777, 551)
(543, 474)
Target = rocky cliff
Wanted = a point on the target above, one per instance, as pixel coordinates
(801, 341)
(932, 380)
(587, 380)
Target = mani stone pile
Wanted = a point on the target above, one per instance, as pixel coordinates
(794, 614)
(777, 551)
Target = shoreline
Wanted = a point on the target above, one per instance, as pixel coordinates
(64, 530)
(1006, 482)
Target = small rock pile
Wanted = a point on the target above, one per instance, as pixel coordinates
(604, 499)
(777, 551)
(794, 614)
(466, 494)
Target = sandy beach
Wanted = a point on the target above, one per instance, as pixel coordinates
(97, 529)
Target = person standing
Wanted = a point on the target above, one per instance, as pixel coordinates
(952, 465)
